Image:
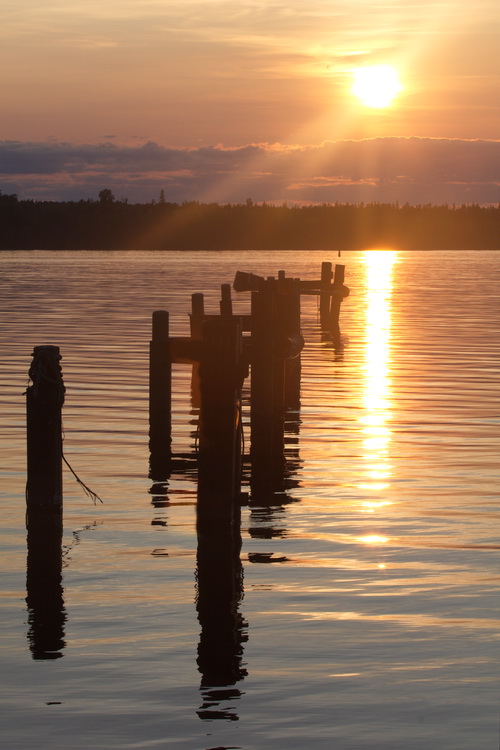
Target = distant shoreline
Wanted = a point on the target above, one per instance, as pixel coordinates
(119, 226)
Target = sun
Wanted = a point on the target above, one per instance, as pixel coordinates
(376, 85)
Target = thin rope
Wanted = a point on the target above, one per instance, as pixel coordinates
(90, 493)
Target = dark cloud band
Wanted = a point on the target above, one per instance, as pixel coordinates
(416, 170)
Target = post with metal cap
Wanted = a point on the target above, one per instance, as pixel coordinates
(44, 400)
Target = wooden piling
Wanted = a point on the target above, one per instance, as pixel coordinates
(219, 452)
(197, 314)
(293, 330)
(196, 325)
(266, 388)
(324, 297)
(44, 400)
(338, 294)
(226, 304)
(160, 395)
(262, 376)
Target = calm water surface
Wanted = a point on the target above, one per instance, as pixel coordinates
(364, 612)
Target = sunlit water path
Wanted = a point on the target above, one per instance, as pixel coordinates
(364, 612)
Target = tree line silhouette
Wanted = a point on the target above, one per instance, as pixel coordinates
(109, 224)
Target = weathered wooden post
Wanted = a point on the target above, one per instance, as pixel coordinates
(226, 304)
(44, 500)
(219, 452)
(337, 297)
(292, 330)
(267, 388)
(197, 314)
(262, 378)
(44, 400)
(324, 297)
(196, 325)
(160, 396)
(280, 329)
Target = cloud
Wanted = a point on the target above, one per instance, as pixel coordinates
(414, 170)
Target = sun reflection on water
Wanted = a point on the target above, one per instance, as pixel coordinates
(376, 369)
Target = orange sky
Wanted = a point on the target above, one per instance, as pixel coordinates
(215, 73)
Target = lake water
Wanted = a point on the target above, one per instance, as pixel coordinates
(365, 610)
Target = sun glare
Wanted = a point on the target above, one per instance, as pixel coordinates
(376, 85)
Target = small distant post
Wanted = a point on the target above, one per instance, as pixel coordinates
(197, 314)
(338, 294)
(160, 390)
(44, 400)
(226, 303)
(324, 297)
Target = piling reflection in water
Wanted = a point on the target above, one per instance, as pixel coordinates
(270, 492)
(46, 613)
(163, 467)
(219, 591)
(377, 382)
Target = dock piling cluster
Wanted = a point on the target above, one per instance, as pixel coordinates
(222, 351)
(222, 356)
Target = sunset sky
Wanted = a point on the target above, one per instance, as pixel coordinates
(221, 101)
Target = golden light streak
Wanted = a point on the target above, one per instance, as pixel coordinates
(377, 384)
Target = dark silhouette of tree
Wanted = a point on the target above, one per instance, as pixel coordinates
(106, 196)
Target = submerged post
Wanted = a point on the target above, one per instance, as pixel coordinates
(44, 400)
(160, 392)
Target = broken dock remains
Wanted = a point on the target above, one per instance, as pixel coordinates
(223, 350)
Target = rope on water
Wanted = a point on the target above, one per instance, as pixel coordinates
(90, 493)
